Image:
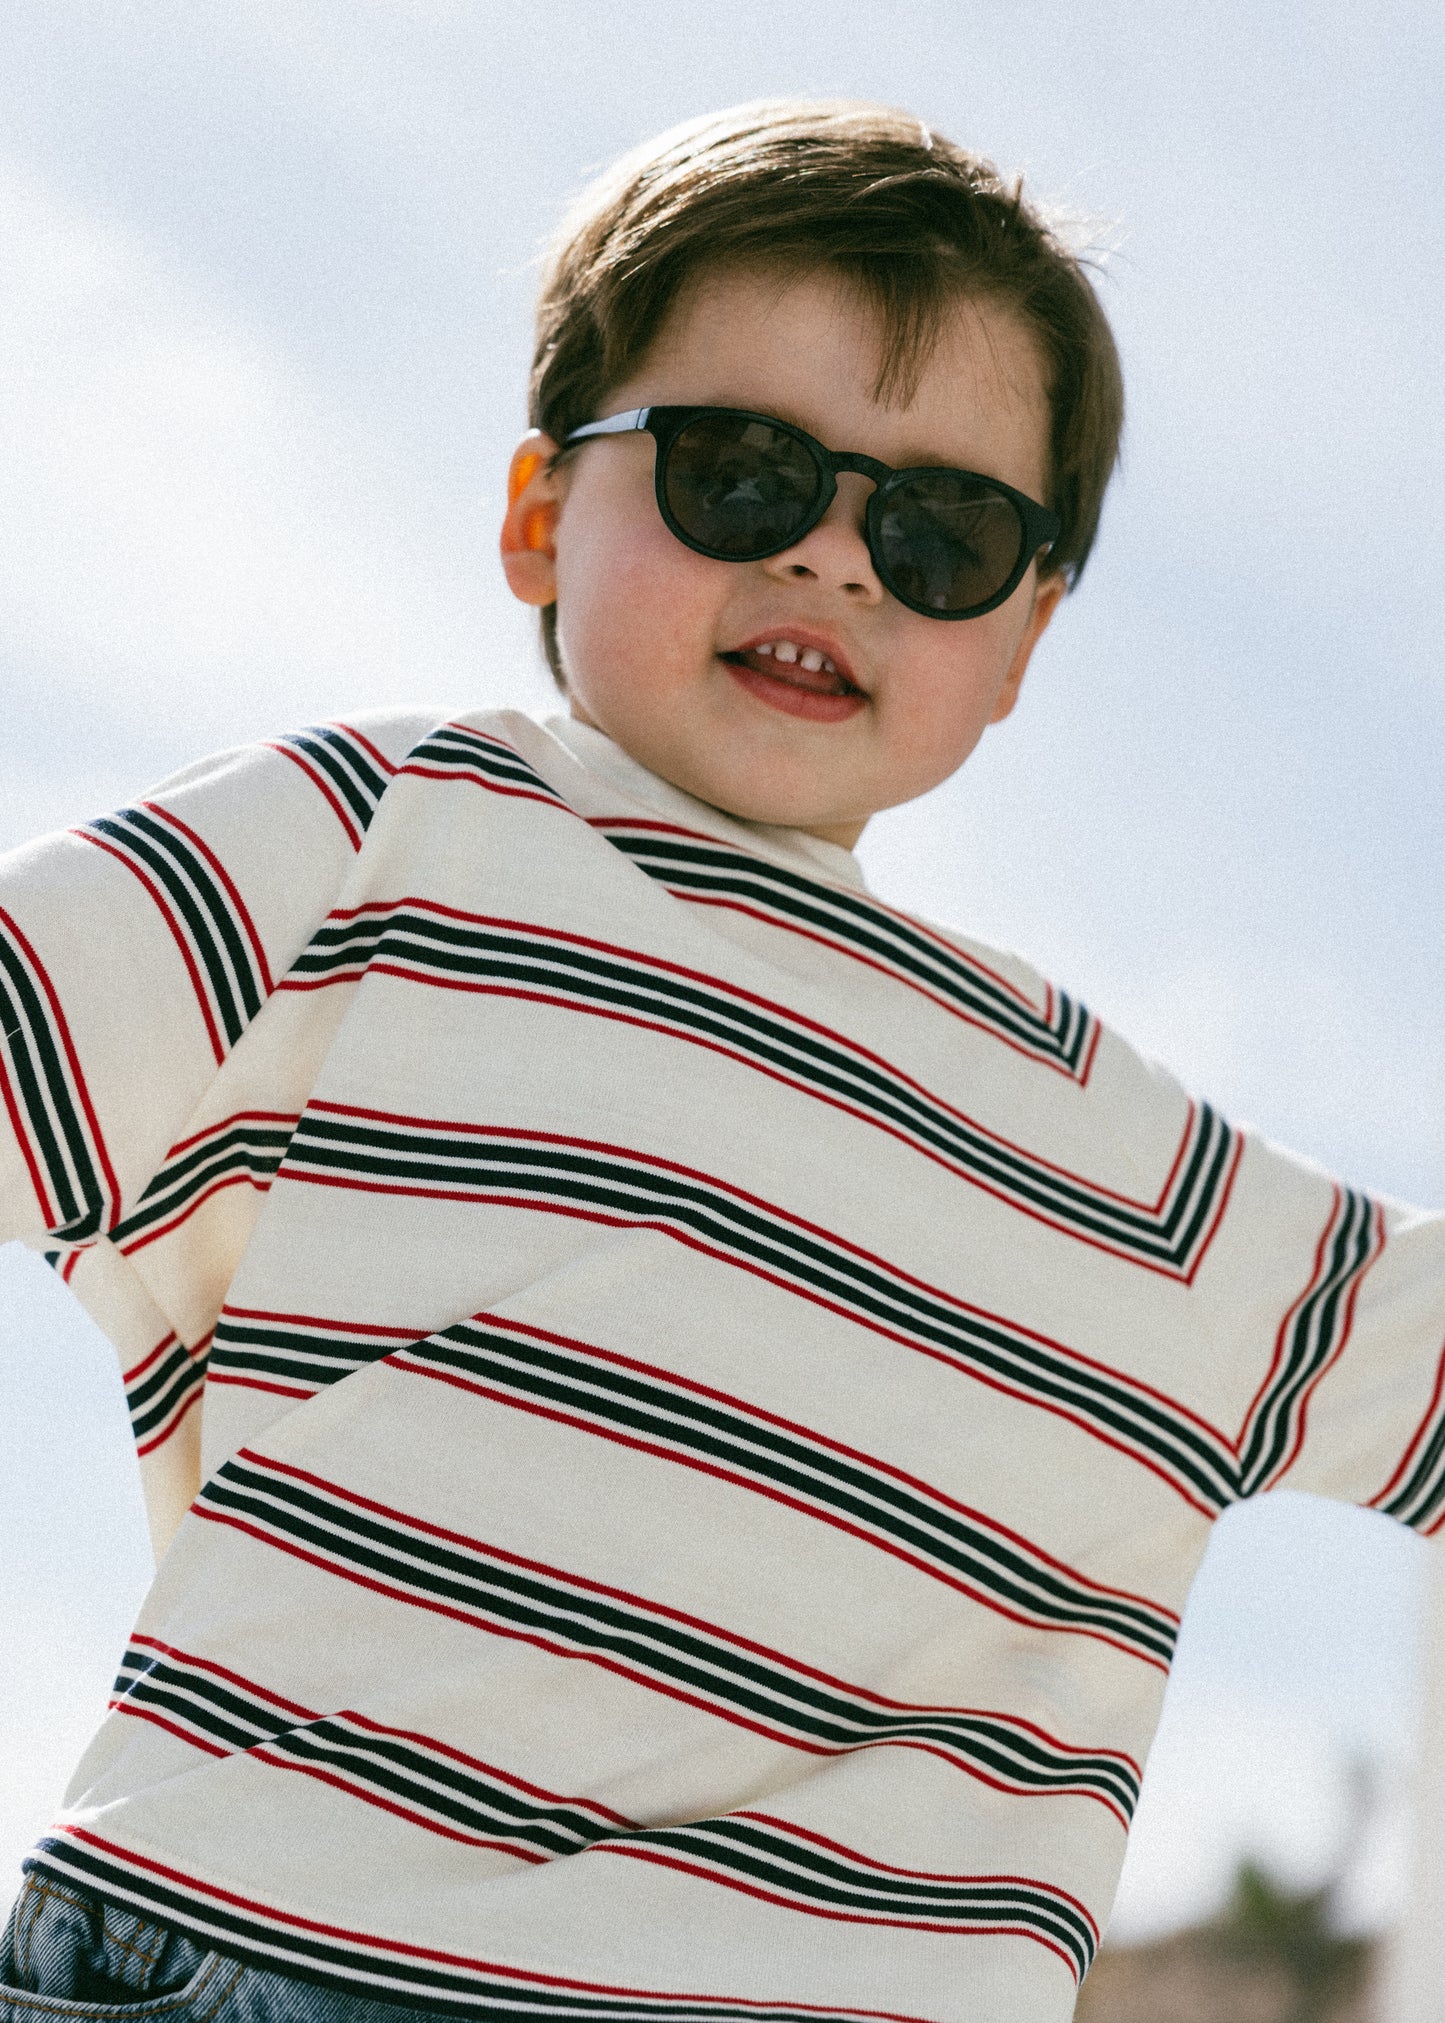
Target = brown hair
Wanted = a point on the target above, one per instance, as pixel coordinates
(910, 219)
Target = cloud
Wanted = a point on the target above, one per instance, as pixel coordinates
(185, 513)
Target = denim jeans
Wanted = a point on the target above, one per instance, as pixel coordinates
(66, 1955)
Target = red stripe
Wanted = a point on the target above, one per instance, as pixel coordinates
(144, 1447)
(373, 751)
(262, 1384)
(476, 779)
(319, 1321)
(135, 1713)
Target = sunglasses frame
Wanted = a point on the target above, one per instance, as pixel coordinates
(1039, 527)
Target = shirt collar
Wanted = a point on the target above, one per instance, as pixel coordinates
(605, 760)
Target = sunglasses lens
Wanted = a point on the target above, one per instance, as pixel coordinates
(949, 541)
(737, 487)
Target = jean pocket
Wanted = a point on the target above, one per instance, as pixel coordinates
(66, 1954)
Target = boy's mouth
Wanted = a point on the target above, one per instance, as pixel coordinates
(802, 680)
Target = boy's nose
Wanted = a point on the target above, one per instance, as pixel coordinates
(835, 552)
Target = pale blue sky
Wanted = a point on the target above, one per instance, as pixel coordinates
(265, 269)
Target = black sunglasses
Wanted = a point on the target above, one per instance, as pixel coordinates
(740, 486)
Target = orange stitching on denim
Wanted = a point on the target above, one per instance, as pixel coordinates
(227, 1986)
(134, 1946)
(40, 1891)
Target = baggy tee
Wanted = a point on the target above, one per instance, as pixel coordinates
(696, 1397)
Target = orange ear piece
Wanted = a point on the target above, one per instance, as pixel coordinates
(523, 472)
(529, 530)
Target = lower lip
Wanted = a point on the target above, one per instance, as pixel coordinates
(816, 705)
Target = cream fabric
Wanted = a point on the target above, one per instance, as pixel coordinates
(698, 1397)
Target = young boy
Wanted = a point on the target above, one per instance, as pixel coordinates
(714, 1390)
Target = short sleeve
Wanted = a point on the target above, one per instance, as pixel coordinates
(137, 948)
(1373, 1431)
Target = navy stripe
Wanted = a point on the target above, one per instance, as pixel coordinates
(1315, 1334)
(50, 1115)
(345, 763)
(237, 1148)
(202, 904)
(372, 1969)
(384, 1765)
(467, 752)
(163, 1388)
(763, 1237)
(529, 959)
(762, 1853)
(537, 1602)
(688, 865)
(945, 1538)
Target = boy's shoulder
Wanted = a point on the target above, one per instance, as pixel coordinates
(381, 735)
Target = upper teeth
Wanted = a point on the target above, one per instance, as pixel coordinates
(806, 656)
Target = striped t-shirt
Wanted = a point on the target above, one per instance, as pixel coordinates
(688, 1400)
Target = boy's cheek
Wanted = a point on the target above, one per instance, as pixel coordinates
(625, 601)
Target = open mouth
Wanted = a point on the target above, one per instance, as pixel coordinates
(800, 680)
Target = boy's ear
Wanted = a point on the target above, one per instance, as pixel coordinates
(529, 531)
(1048, 595)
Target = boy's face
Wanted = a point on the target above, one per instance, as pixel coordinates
(659, 642)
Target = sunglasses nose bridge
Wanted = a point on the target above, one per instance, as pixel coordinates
(863, 467)
(854, 573)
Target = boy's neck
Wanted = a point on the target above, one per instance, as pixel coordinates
(843, 835)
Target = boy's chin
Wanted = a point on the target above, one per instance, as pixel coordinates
(783, 808)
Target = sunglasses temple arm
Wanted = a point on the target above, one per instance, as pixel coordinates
(615, 425)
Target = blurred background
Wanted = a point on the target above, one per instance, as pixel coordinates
(265, 279)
